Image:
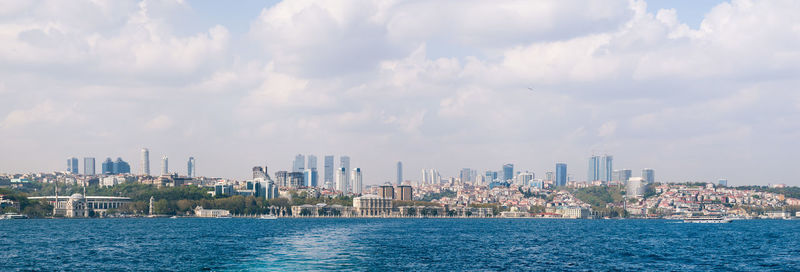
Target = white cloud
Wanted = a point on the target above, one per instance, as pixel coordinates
(444, 83)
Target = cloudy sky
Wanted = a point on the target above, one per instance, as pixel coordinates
(698, 90)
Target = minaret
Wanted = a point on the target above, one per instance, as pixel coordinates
(85, 202)
(55, 204)
(151, 205)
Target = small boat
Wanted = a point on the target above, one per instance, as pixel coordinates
(173, 217)
(706, 219)
(13, 216)
(267, 216)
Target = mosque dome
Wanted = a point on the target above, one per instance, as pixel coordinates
(76, 196)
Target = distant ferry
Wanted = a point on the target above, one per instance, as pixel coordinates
(13, 216)
(706, 219)
(267, 216)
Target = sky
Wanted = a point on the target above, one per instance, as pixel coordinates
(697, 90)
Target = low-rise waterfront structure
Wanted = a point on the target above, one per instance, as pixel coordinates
(372, 205)
(202, 212)
(78, 205)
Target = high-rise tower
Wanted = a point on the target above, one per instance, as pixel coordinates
(88, 166)
(399, 172)
(312, 162)
(72, 165)
(561, 174)
(190, 168)
(344, 162)
(164, 165)
(356, 181)
(145, 162)
(299, 163)
(328, 172)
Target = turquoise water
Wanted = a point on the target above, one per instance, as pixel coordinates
(193, 244)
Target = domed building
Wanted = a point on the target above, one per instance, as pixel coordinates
(78, 205)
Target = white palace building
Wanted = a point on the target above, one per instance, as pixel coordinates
(78, 205)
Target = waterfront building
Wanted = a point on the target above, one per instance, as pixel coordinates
(121, 167)
(190, 168)
(634, 187)
(88, 166)
(649, 175)
(310, 177)
(341, 180)
(164, 165)
(386, 191)
(78, 205)
(561, 175)
(328, 172)
(72, 165)
(399, 173)
(312, 162)
(344, 162)
(404, 193)
(508, 172)
(107, 167)
(199, 211)
(372, 205)
(356, 181)
(299, 163)
(573, 212)
(145, 162)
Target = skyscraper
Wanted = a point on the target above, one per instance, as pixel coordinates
(561, 174)
(190, 168)
(121, 167)
(624, 175)
(649, 175)
(344, 162)
(328, 172)
(593, 172)
(259, 173)
(88, 166)
(356, 181)
(107, 167)
(72, 165)
(312, 162)
(164, 165)
(299, 163)
(508, 172)
(341, 180)
(606, 168)
(399, 172)
(145, 162)
(465, 175)
(310, 178)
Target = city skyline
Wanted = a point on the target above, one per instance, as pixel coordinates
(693, 89)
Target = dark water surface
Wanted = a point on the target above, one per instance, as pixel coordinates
(397, 244)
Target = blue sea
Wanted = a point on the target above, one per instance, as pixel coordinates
(194, 244)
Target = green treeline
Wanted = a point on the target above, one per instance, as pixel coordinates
(435, 196)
